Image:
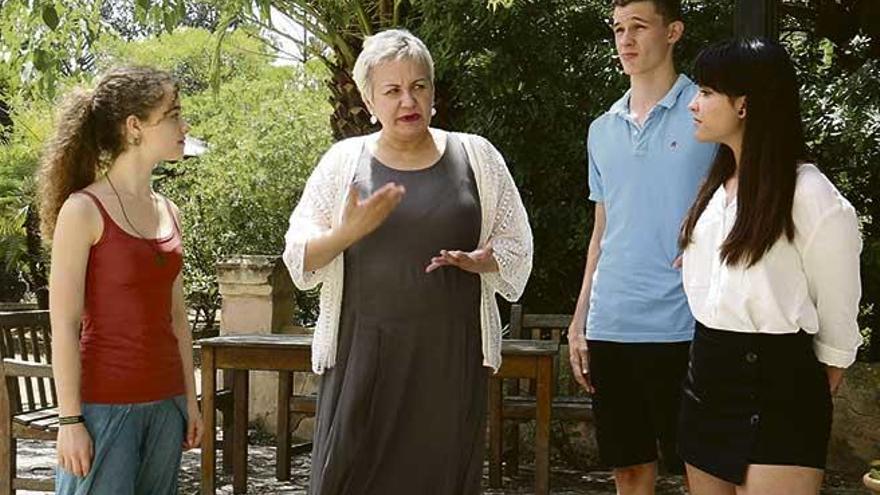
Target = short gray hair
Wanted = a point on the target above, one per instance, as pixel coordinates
(393, 44)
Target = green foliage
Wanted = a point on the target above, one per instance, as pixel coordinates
(184, 53)
(20, 263)
(43, 41)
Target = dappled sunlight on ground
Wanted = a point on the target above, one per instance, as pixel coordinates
(38, 458)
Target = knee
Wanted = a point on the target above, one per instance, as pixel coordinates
(636, 476)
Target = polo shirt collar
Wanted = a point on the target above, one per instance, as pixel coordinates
(621, 106)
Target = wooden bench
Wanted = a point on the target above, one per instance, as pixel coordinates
(28, 400)
(570, 402)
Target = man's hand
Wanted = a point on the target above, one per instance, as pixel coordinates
(578, 358)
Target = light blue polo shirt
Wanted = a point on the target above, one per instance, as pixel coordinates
(647, 177)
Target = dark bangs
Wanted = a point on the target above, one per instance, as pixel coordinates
(723, 68)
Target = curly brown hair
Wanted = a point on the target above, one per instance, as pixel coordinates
(90, 131)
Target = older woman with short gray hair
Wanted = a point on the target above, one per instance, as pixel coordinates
(411, 231)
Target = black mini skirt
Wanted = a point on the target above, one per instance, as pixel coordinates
(753, 399)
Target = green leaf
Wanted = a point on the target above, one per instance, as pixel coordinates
(169, 20)
(50, 16)
(42, 59)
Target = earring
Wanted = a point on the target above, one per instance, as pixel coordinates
(104, 159)
(135, 141)
(433, 111)
(373, 119)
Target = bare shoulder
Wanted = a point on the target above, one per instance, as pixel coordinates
(79, 216)
(79, 208)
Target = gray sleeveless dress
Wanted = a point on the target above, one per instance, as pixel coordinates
(403, 410)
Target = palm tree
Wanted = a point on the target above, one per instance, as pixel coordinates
(20, 240)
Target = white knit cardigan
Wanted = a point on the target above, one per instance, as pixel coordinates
(504, 226)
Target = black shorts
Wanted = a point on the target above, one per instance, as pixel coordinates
(636, 403)
(754, 399)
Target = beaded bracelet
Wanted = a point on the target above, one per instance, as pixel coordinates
(71, 420)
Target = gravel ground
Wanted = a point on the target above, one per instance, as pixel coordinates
(37, 459)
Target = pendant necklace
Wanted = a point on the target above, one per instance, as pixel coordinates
(159, 255)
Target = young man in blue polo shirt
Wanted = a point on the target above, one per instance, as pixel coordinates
(644, 171)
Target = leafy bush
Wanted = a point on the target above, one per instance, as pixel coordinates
(22, 260)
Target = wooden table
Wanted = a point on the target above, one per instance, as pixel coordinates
(241, 354)
(524, 359)
(285, 353)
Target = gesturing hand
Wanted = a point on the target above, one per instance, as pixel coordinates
(477, 261)
(364, 216)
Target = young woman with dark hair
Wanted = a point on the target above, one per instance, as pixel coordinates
(122, 352)
(771, 271)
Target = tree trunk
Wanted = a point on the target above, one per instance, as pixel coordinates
(350, 115)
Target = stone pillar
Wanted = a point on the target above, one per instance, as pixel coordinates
(258, 297)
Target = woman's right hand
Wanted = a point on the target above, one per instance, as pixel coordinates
(364, 216)
(75, 449)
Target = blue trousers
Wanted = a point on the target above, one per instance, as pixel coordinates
(137, 449)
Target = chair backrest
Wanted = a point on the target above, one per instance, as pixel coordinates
(27, 336)
(546, 327)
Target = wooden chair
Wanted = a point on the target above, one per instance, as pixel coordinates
(570, 402)
(28, 402)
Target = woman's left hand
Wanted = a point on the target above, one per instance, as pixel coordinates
(194, 427)
(477, 261)
(835, 377)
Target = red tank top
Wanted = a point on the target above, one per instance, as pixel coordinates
(128, 347)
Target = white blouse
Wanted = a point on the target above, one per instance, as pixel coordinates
(812, 283)
(504, 225)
